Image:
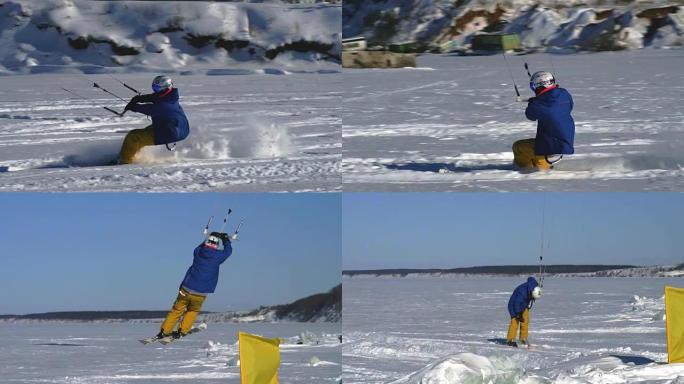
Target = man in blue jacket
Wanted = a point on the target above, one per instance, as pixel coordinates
(169, 123)
(200, 280)
(519, 306)
(551, 108)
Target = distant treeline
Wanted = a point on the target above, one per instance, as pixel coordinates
(327, 305)
(91, 315)
(490, 270)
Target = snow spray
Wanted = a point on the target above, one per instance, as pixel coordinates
(260, 140)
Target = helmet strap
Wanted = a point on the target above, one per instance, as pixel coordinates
(165, 92)
(540, 91)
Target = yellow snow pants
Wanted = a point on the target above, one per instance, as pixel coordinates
(513, 328)
(186, 305)
(134, 141)
(524, 157)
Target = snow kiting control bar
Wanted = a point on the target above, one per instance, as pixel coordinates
(225, 220)
(124, 84)
(96, 85)
(85, 98)
(206, 228)
(223, 226)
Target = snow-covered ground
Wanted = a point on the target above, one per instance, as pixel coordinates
(402, 126)
(249, 132)
(445, 331)
(110, 353)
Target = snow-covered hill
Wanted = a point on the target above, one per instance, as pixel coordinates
(655, 271)
(561, 25)
(97, 36)
(322, 307)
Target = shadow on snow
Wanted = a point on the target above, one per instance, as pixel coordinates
(450, 167)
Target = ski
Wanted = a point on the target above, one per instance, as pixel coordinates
(169, 339)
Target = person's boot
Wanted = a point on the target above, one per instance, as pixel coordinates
(524, 343)
(162, 335)
(512, 344)
(178, 334)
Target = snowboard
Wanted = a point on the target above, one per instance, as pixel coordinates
(169, 339)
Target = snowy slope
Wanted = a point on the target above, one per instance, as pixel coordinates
(446, 331)
(566, 25)
(94, 36)
(457, 114)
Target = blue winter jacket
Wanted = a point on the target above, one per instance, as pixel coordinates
(521, 297)
(555, 127)
(168, 119)
(203, 274)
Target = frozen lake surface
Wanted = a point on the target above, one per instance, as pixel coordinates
(443, 331)
(249, 132)
(458, 115)
(110, 353)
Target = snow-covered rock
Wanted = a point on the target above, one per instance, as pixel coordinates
(96, 36)
(567, 26)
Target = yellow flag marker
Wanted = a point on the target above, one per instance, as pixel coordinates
(259, 359)
(674, 324)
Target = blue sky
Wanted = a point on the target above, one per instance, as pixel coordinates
(121, 251)
(443, 230)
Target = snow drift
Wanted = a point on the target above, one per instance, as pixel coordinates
(40, 36)
(472, 368)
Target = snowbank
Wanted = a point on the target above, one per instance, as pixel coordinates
(472, 368)
(93, 37)
(467, 368)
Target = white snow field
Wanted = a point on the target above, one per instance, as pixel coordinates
(449, 124)
(110, 353)
(433, 330)
(250, 132)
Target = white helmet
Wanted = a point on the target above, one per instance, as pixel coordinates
(212, 241)
(536, 292)
(542, 79)
(161, 83)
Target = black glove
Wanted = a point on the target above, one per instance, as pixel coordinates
(135, 99)
(531, 99)
(224, 237)
(520, 318)
(129, 106)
